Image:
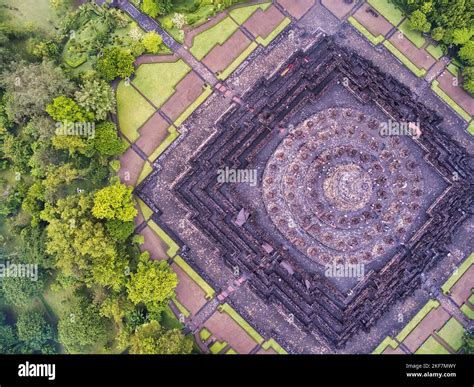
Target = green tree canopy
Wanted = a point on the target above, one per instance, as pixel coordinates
(114, 202)
(152, 284)
(33, 329)
(150, 338)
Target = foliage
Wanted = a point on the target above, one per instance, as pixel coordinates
(33, 329)
(30, 87)
(20, 290)
(152, 284)
(150, 338)
(96, 96)
(114, 202)
(152, 41)
(115, 63)
(81, 326)
(106, 141)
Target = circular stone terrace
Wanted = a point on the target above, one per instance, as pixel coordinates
(338, 191)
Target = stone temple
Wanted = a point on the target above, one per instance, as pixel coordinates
(331, 191)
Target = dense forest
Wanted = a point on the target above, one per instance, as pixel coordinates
(63, 209)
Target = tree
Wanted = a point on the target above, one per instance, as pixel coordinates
(66, 109)
(33, 329)
(30, 87)
(150, 7)
(8, 339)
(20, 290)
(81, 326)
(419, 22)
(81, 246)
(152, 284)
(119, 230)
(468, 342)
(106, 141)
(461, 36)
(96, 96)
(150, 338)
(152, 41)
(114, 202)
(466, 53)
(115, 63)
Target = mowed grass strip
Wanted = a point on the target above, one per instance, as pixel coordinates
(278, 29)
(157, 81)
(458, 273)
(241, 14)
(364, 31)
(405, 61)
(133, 110)
(226, 308)
(208, 39)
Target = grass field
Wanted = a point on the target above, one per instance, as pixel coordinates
(435, 51)
(133, 110)
(431, 347)
(208, 39)
(241, 14)
(157, 81)
(452, 333)
(36, 13)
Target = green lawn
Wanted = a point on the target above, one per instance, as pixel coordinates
(133, 110)
(204, 334)
(468, 311)
(431, 347)
(413, 36)
(217, 347)
(157, 81)
(241, 14)
(388, 10)
(208, 39)
(36, 13)
(452, 333)
(387, 342)
(435, 51)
